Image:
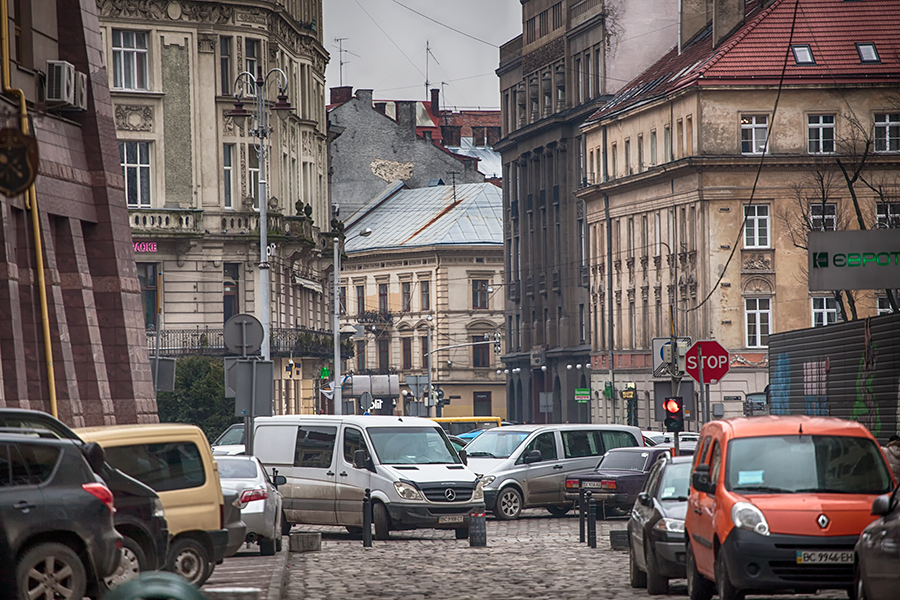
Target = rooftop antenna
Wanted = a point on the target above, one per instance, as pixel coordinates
(427, 52)
(453, 175)
(341, 61)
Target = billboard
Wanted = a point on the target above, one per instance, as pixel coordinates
(854, 260)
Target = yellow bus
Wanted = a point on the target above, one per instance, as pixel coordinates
(458, 425)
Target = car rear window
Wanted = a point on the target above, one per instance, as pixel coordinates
(581, 443)
(628, 461)
(26, 464)
(164, 467)
(235, 468)
(618, 439)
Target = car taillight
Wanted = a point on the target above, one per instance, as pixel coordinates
(608, 484)
(102, 493)
(572, 483)
(248, 496)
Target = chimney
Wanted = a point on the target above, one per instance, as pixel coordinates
(452, 135)
(435, 102)
(493, 135)
(427, 134)
(339, 95)
(695, 15)
(478, 136)
(364, 97)
(380, 106)
(406, 119)
(727, 16)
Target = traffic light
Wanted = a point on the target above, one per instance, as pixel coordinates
(497, 348)
(674, 408)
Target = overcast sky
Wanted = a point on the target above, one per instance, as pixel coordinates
(386, 44)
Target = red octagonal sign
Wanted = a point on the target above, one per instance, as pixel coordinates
(715, 361)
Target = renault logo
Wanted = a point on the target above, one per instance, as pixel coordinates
(822, 521)
(449, 494)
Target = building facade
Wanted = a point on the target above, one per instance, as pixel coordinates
(570, 57)
(192, 174)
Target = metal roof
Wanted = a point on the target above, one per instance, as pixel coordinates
(408, 218)
(489, 162)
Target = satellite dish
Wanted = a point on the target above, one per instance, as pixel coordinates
(243, 334)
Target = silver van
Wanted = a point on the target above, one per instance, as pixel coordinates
(416, 478)
(524, 466)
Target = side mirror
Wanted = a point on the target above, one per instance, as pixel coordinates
(644, 498)
(279, 480)
(95, 456)
(463, 456)
(532, 457)
(882, 505)
(362, 460)
(700, 480)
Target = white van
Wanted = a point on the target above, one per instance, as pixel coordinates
(416, 478)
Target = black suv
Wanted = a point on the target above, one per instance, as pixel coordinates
(57, 516)
(139, 516)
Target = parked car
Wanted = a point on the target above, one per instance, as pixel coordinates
(778, 502)
(617, 478)
(524, 466)
(57, 516)
(230, 441)
(139, 516)
(656, 525)
(458, 442)
(258, 497)
(877, 576)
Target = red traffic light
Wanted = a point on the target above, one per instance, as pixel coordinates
(671, 405)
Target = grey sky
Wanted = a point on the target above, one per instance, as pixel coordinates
(388, 46)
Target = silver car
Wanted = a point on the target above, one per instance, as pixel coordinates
(258, 498)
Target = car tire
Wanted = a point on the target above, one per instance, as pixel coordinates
(656, 584)
(189, 559)
(66, 569)
(462, 533)
(638, 577)
(858, 591)
(278, 544)
(698, 586)
(354, 530)
(724, 588)
(382, 521)
(132, 563)
(559, 511)
(266, 547)
(285, 525)
(509, 504)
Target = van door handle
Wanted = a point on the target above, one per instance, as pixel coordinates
(557, 466)
(23, 505)
(343, 473)
(330, 473)
(697, 510)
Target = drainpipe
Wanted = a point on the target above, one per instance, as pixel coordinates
(30, 204)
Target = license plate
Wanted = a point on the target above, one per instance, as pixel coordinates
(452, 519)
(591, 484)
(824, 557)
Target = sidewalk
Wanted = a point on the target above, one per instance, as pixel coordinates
(247, 569)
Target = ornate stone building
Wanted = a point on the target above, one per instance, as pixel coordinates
(192, 174)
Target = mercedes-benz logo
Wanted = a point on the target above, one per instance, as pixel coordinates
(450, 494)
(822, 521)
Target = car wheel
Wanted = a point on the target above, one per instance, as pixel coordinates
(559, 511)
(382, 521)
(354, 530)
(698, 586)
(51, 570)
(266, 547)
(638, 577)
(188, 558)
(724, 587)
(656, 583)
(285, 525)
(509, 504)
(132, 562)
(462, 533)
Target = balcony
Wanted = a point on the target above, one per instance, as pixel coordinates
(178, 222)
(375, 317)
(296, 342)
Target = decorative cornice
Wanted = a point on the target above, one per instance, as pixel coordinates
(166, 10)
(134, 118)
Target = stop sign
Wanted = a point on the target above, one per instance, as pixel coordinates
(715, 361)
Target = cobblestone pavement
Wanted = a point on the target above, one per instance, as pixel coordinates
(247, 569)
(535, 557)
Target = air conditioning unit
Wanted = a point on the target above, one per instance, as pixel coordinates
(81, 91)
(60, 82)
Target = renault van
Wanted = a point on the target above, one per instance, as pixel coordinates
(777, 504)
(416, 478)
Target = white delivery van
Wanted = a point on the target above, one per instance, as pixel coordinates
(416, 478)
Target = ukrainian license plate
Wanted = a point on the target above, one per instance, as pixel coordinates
(452, 519)
(824, 557)
(591, 484)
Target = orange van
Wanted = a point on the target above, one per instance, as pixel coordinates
(777, 504)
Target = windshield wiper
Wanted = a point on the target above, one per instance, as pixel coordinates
(831, 491)
(762, 489)
(675, 498)
(481, 453)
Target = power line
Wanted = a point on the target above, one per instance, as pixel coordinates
(463, 33)
(389, 37)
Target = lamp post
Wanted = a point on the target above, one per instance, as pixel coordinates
(336, 323)
(259, 84)
(428, 401)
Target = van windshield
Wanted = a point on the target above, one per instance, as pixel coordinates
(806, 464)
(412, 446)
(496, 443)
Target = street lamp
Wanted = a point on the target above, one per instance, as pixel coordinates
(336, 324)
(282, 108)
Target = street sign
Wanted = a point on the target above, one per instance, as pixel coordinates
(715, 359)
(582, 394)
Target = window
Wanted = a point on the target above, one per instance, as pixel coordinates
(578, 444)
(383, 297)
(614, 167)
(824, 311)
(820, 134)
(315, 446)
(426, 294)
(342, 300)
(384, 355)
(406, 346)
(756, 226)
(406, 288)
(360, 355)
(129, 60)
(754, 133)
(479, 293)
(225, 64)
(617, 439)
(353, 441)
(135, 160)
(758, 316)
(23, 34)
(803, 54)
(26, 464)
(545, 443)
(887, 215)
(230, 303)
(360, 299)
(887, 132)
(884, 306)
(253, 174)
(228, 174)
(149, 292)
(581, 324)
(716, 464)
(653, 148)
(640, 153)
(868, 53)
(628, 157)
(251, 60)
(163, 467)
(481, 404)
(425, 351)
(823, 217)
(481, 352)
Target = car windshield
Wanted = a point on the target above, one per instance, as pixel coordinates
(806, 464)
(625, 461)
(675, 482)
(496, 443)
(237, 468)
(231, 437)
(412, 446)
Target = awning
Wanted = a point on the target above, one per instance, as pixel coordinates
(308, 284)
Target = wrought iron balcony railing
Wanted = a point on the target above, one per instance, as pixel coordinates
(375, 316)
(296, 342)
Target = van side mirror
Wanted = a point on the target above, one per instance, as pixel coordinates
(532, 456)
(882, 505)
(463, 456)
(644, 499)
(700, 480)
(95, 456)
(362, 460)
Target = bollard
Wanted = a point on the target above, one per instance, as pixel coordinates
(581, 515)
(477, 530)
(367, 519)
(591, 521)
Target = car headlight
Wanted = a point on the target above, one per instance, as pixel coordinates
(746, 516)
(406, 491)
(487, 480)
(479, 491)
(670, 525)
(158, 509)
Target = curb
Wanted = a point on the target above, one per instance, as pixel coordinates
(279, 574)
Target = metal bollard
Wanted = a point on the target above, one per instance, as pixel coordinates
(581, 515)
(477, 529)
(367, 519)
(591, 521)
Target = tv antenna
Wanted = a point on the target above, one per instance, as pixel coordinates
(341, 61)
